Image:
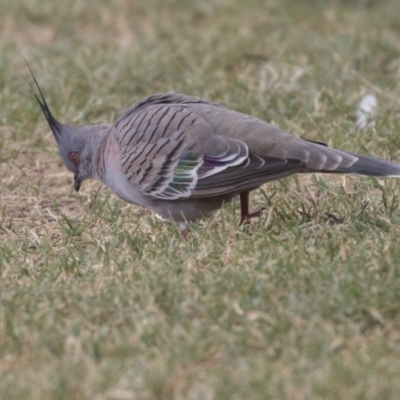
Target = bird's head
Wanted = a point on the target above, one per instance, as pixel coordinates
(75, 144)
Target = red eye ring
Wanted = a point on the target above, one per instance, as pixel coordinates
(74, 157)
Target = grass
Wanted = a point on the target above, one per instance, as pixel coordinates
(102, 300)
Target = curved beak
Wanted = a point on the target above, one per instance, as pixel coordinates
(77, 181)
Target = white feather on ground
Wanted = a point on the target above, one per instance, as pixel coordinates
(365, 112)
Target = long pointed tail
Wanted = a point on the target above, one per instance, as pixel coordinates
(320, 158)
(371, 166)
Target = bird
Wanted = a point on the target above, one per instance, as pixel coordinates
(184, 157)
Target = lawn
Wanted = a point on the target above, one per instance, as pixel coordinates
(103, 300)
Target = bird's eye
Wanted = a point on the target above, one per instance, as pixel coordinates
(74, 157)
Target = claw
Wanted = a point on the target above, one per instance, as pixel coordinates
(245, 219)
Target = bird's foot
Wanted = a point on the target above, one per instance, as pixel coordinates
(245, 218)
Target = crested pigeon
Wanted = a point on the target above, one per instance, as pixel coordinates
(184, 157)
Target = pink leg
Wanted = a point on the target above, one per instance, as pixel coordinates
(246, 216)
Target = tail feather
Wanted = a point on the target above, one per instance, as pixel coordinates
(338, 161)
(320, 158)
(372, 167)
